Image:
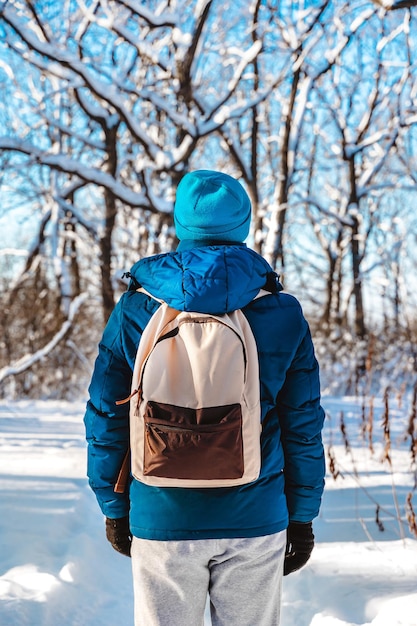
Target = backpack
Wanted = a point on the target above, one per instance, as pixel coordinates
(195, 415)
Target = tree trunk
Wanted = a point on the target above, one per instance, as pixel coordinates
(360, 328)
(331, 311)
(274, 249)
(107, 291)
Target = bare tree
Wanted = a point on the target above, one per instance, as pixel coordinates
(361, 112)
(136, 82)
(109, 102)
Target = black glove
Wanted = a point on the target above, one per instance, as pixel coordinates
(119, 535)
(300, 544)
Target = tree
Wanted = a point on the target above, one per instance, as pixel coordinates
(109, 102)
(134, 80)
(361, 110)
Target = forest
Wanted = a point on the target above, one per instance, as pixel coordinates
(312, 106)
(106, 104)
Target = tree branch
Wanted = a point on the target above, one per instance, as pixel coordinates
(393, 5)
(65, 164)
(98, 88)
(28, 360)
(154, 21)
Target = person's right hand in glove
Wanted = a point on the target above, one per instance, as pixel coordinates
(300, 544)
(119, 535)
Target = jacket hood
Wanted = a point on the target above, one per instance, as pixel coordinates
(213, 279)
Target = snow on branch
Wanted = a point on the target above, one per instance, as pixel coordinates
(13, 252)
(70, 132)
(295, 130)
(235, 111)
(219, 110)
(370, 172)
(162, 104)
(167, 18)
(352, 149)
(392, 5)
(72, 209)
(99, 88)
(94, 110)
(332, 54)
(145, 51)
(342, 220)
(63, 163)
(28, 360)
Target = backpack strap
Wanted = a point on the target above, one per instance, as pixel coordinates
(261, 293)
(123, 475)
(147, 293)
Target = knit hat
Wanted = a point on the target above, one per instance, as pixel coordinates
(211, 206)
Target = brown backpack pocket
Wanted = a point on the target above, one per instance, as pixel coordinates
(184, 443)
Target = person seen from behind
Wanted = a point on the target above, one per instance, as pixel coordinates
(232, 543)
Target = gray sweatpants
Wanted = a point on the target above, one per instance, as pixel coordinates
(243, 578)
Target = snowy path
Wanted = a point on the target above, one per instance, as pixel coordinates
(56, 568)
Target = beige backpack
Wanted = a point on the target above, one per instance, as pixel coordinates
(195, 416)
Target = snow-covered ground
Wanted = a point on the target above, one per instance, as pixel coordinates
(56, 568)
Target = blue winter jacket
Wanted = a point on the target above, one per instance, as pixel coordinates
(213, 279)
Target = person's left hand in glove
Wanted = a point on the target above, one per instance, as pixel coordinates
(119, 535)
(300, 544)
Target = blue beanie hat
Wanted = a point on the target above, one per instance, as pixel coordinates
(211, 206)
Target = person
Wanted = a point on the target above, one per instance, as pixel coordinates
(232, 543)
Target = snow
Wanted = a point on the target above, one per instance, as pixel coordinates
(56, 567)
